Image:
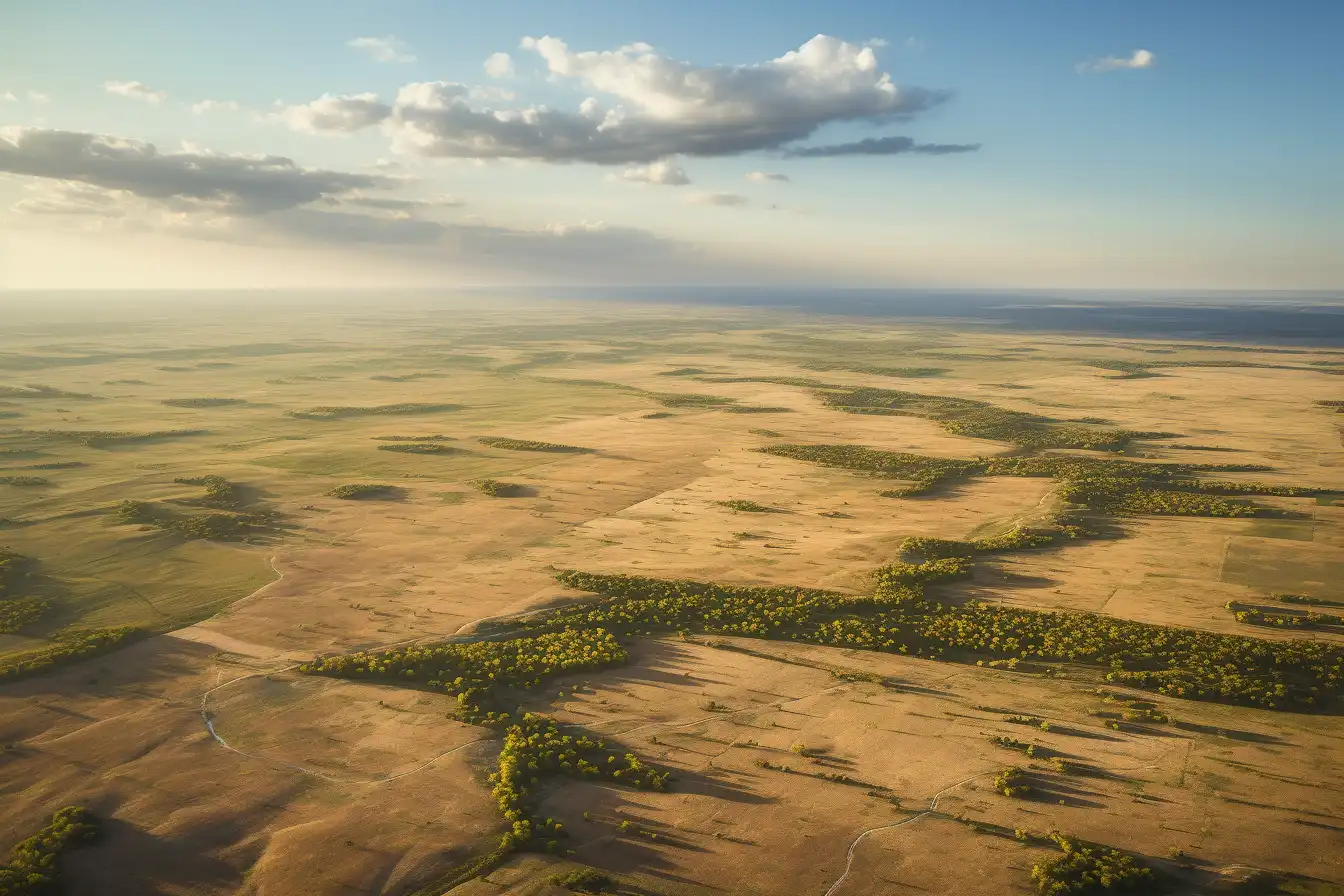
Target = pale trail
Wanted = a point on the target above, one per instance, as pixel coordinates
(210, 725)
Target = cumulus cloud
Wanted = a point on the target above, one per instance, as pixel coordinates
(382, 49)
(205, 107)
(1137, 59)
(653, 106)
(135, 90)
(664, 173)
(728, 200)
(880, 146)
(763, 177)
(499, 65)
(236, 184)
(336, 114)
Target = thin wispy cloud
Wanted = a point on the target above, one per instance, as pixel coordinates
(383, 49)
(41, 99)
(1135, 60)
(135, 90)
(205, 107)
(725, 200)
(880, 146)
(765, 177)
(664, 173)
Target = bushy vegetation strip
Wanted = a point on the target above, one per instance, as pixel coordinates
(67, 648)
(482, 675)
(529, 445)
(901, 618)
(337, 412)
(34, 866)
(1110, 485)
(17, 611)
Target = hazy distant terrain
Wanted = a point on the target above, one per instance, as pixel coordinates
(768, 594)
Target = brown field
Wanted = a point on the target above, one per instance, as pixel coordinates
(321, 786)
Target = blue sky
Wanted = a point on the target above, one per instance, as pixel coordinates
(1061, 144)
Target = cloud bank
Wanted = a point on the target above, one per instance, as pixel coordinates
(651, 106)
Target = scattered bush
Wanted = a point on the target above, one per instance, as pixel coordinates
(419, 448)
(24, 481)
(747, 506)
(1012, 782)
(202, 402)
(113, 438)
(328, 412)
(497, 489)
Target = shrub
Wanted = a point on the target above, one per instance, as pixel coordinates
(1012, 782)
(363, 491)
(497, 489)
(586, 880)
(1085, 871)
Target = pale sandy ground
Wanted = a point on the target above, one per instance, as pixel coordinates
(334, 787)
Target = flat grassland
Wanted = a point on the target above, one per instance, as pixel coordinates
(188, 488)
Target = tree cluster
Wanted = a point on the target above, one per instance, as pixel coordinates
(33, 868)
(68, 648)
(478, 673)
(1090, 871)
(527, 445)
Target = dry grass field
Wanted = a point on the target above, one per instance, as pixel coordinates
(219, 766)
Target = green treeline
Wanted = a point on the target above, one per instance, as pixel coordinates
(336, 412)
(33, 868)
(475, 673)
(17, 611)
(66, 649)
(982, 420)
(527, 445)
(1111, 485)
(900, 618)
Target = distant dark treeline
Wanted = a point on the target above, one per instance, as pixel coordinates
(1310, 318)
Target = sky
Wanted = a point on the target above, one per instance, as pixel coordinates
(148, 144)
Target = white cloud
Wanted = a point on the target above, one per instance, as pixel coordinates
(664, 173)
(135, 90)
(499, 65)
(728, 200)
(1137, 59)
(191, 179)
(762, 177)
(8, 97)
(38, 97)
(336, 114)
(491, 93)
(657, 106)
(382, 49)
(205, 107)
